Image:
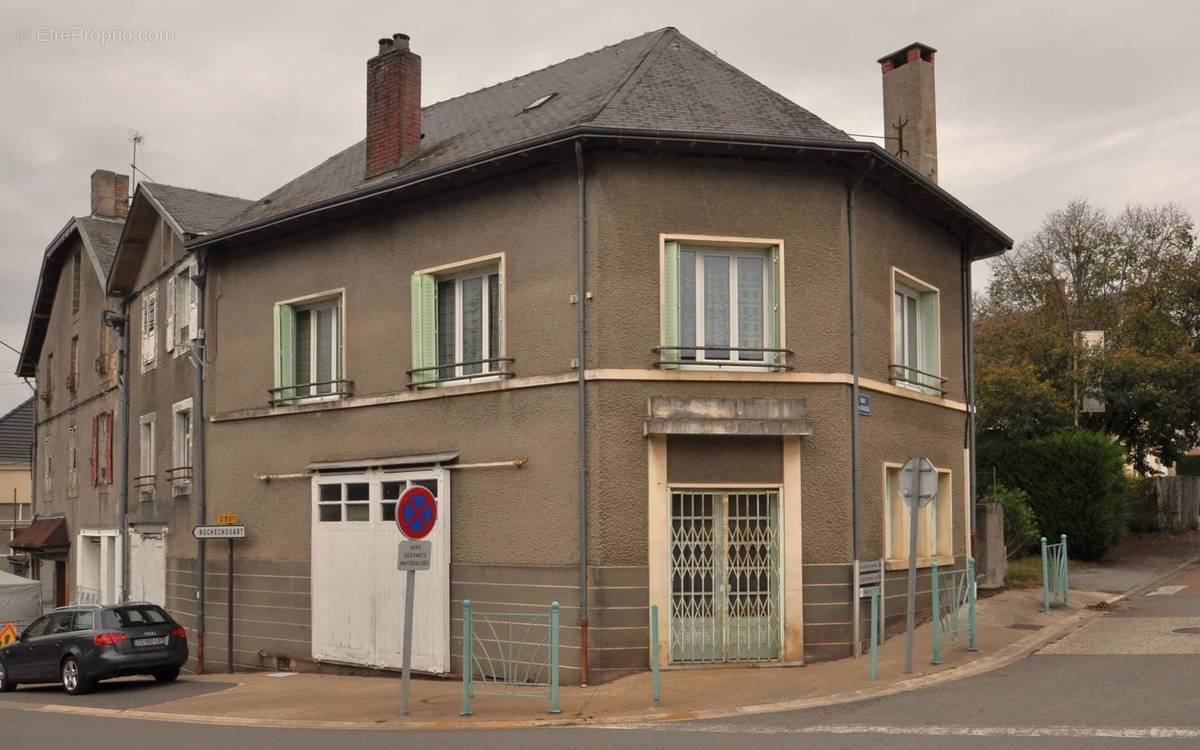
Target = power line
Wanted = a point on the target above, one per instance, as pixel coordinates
(9, 346)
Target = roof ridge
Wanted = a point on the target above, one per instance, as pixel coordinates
(17, 408)
(654, 51)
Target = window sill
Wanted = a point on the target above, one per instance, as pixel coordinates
(734, 366)
(922, 562)
(473, 380)
(181, 489)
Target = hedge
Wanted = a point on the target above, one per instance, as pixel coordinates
(1076, 485)
(1188, 465)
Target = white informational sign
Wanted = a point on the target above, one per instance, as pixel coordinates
(870, 573)
(414, 554)
(219, 532)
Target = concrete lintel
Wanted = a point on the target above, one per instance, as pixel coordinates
(677, 415)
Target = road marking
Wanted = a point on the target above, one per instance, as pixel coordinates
(1166, 590)
(1124, 733)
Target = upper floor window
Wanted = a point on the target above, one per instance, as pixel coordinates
(309, 349)
(76, 277)
(181, 447)
(721, 304)
(182, 298)
(457, 323)
(145, 479)
(916, 342)
(149, 328)
(48, 464)
(73, 372)
(102, 449)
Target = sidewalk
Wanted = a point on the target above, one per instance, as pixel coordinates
(1011, 625)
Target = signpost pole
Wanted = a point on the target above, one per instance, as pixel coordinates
(910, 620)
(408, 616)
(229, 623)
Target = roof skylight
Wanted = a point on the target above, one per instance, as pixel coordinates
(540, 101)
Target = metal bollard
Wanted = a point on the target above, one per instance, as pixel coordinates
(468, 641)
(655, 684)
(971, 642)
(554, 709)
(937, 613)
(874, 633)
(1066, 574)
(1045, 580)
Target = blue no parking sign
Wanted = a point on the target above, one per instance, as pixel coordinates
(416, 512)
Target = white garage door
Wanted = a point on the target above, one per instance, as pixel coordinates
(148, 566)
(357, 593)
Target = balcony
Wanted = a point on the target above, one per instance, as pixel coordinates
(325, 390)
(480, 370)
(719, 358)
(917, 380)
(144, 484)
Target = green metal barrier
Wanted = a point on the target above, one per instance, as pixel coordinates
(874, 633)
(512, 654)
(655, 683)
(1055, 577)
(953, 591)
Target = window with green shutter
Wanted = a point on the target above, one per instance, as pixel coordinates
(457, 326)
(309, 350)
(915, 338)
(721, 306)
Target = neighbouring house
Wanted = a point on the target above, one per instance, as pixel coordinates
(72, 541)
(16, 469)
(652, 334)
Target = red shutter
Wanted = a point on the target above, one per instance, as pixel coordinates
(95, 452)
(108, 440)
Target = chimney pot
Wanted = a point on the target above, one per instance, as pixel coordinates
(393, 106)
(909, 107)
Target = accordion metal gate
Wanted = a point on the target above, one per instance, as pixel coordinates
(725, 576)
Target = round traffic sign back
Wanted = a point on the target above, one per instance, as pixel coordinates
(416, 512)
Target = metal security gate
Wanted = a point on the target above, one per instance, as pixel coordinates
(725, 571)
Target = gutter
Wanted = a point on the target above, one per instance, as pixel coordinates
(122, 469)
(855, 450)
(197, 356)
(581, 440)
(969, 389)
(618, 134)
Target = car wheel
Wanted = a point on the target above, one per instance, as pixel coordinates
(167, 675)
(73, 679)
(6, 685)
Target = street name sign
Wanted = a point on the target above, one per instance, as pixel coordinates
(414, 554)
(219, 532)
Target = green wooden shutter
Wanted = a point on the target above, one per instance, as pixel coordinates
(424, 326)
(670, 301)
(285, 350)
(774, 322)
(929, 342)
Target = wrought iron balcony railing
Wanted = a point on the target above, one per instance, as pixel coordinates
(455, 372)
(774, 360)
(911, 377)
(290, 394)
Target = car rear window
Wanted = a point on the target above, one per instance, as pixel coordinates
(134, 616)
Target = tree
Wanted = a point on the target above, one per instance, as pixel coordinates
(1135, 276)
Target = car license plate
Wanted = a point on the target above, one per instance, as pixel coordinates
(140, 642)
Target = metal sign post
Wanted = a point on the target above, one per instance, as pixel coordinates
(918, 486)
(230, 530)
(416, 515)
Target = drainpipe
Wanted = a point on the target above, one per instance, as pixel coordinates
(122, 468)
(581, 362)
(198, 496)
(855, 460)
(969, 387)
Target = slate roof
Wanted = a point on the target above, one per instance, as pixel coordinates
(660, 80)
(103, 235)
(196, 211)
(16, 434)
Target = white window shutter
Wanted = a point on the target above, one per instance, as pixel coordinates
(149, 327)
(169, 343)
(193, 294)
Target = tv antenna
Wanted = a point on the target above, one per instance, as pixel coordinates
(137, 138)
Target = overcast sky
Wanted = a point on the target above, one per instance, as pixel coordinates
(1038, 102)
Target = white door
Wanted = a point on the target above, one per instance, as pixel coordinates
(357, 593)
(148, 566)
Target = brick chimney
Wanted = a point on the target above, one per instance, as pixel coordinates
(393, 105)
(110, 194)
(909, 113)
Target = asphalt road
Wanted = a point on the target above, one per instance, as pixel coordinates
(1129, 679)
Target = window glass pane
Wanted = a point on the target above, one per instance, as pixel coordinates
(687, 303)
(716, 306)
(358, 492)
(750, 300)
(326, 337)
(360, 512)
(330, 493)
(445, 328)
(392, 490)
(472, 323)
(330, 513)
(429, 484)
(303, 350)
(910, 334)
(389, 511)
(494, 319)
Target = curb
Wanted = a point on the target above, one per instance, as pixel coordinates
(1004, 657)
